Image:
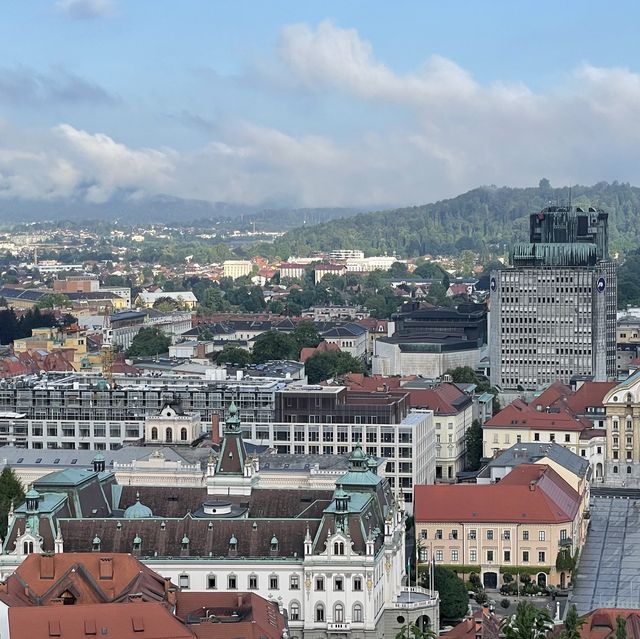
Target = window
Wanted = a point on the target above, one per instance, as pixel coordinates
(473, 556)
(472, 534)
(454, 555)
(357, 584)
(338, 583)
(490, 535)
(358, 617)
(423, 534)
(563, 534)
(211, 582)
(294, 611)
(525, 535)
(541, 556)
(319, 583)
(536, 437)
(253, 582)
(541, 535)
(232, 582)
(489, 555)
(439, 555)
(567, 437)
(506, 535)
(507, 555)
(183, 434)
(320, 612)
(294, 582)
(273, 582)
(183, 581)
(338, 613)
(525, 556)
(454, 534)
(338, 548)
(438, 534)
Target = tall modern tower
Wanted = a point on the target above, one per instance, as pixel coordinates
(553, 312)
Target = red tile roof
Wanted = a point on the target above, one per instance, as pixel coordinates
(120, 620)
(520, 415)
(530, 493)
(589, 394)
(444, 399)
(322, 347)
(601, 623)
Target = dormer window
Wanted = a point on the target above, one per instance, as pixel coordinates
(233, 545)
(137, 542)
(96, 543)
(185, 543)
(274, 544)
(338, 548)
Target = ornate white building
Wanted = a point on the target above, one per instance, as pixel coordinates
(334, 559)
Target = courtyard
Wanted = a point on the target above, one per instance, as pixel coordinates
(609, 570)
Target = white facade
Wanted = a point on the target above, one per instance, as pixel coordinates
(451, 444)
(390, 359)
(172, 426)
(236, 268)
(409, 447)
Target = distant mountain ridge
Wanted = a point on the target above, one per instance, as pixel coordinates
(163, 209)
(486, 219)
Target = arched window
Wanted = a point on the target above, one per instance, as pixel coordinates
(338, 548)
(183, 434)
(294, 611)
(168, 435)
(154, 433)
(338, 613)
(615, 470)
(628, 470)
(320, 612)
(615, 423)
(27, 547)
(358, 616)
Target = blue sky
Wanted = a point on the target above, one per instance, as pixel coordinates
(314, 103)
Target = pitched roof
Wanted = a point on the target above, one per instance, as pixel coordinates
(123, 620)
(601, 623)
(444, 399)
(520, 415)
(529, 493)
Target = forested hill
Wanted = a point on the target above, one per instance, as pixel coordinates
(486, 219)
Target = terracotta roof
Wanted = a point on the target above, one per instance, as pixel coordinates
(590, 433)
(92, 577)
(124, 621)
(520, 415)
(529, 493)
(322, 347)
(601, 623)
(482, 624)
(444, 399)
(256, 617)
(551, 395)
(589, 394)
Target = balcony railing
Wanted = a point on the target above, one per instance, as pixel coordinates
(337, 627)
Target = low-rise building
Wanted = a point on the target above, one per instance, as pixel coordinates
(523, 521)
(236, 268)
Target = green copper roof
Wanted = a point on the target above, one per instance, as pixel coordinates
(356, 504)
(138, 510)
(558, 254)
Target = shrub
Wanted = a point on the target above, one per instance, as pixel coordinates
(505, 603)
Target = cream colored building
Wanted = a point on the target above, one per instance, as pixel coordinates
(236, 268)
(520, 423)
(523, 521)
(622, 404)
(172, 426)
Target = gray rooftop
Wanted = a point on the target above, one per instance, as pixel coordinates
(529, 453)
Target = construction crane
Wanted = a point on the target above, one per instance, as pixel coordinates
(107, 354)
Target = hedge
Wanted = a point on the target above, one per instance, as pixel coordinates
(464, 569)
(524, 570)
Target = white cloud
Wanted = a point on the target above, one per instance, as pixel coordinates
(450, 133)
(85, 9)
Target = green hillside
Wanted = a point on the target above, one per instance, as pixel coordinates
(486, 219)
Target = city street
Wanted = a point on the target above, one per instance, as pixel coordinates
(609, 571)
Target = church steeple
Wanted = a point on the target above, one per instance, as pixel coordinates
(233, 453)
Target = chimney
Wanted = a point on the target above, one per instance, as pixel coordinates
(47, 567)
(171, 596)
(240, 601)
(106, 568)
(215, 429)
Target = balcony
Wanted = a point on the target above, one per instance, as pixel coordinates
(411, 597)
(338, 627)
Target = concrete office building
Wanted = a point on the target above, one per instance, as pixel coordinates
(553, 312)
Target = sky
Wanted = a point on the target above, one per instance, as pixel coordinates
(314, 103)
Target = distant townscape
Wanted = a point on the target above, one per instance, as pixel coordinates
(214, 429)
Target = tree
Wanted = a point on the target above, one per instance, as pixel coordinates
(572, 624)
(429, 270)
(473, 438)
(528, 622)
(149, 341)
(398, 269)
(234, 355)
(463, 375)
(53, 300)
(321, 366)
(454, 597)
(11, 492)
(410, 630)
(167, 304)
(621, 627)
(306, 334)
(274, 345)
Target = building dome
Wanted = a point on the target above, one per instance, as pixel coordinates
(357, 454)
(138, 510)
